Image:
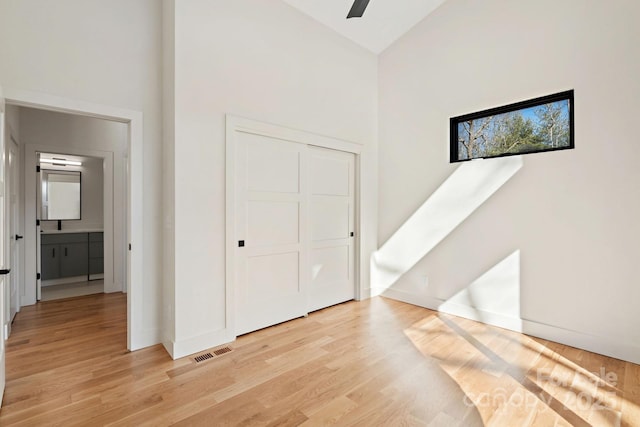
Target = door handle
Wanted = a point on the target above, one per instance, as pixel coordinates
(18, 237)
(5, 271)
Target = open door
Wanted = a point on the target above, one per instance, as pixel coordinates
(15, 233)
(4, 244)
(11, 296)
(38, 236)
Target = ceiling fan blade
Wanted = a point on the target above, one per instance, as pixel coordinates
(358, 9)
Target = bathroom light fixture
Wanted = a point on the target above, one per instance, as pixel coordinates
(65, 162)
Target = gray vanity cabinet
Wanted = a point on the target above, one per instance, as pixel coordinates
(64, 255)
(50, 261)
(96, 253)
(73, 259)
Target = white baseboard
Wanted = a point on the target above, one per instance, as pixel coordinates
(365, 294)
(609, 346)
(178, 349)
(112, 287)
(168, 345)
(146, 338)
(404, 296)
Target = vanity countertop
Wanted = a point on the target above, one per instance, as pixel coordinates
(88, 230)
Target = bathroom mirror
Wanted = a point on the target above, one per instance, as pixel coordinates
(60, 195)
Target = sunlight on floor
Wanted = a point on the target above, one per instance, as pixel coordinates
(513, 379)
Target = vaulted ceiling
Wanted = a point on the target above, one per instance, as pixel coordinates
(384, 21)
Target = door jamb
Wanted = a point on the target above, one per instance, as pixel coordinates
(135, 331)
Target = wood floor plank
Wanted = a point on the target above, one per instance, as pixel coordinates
(370, 363)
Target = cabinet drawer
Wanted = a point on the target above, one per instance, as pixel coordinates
(96, 237)
(47, 239)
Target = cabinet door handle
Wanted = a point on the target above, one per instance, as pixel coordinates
(65, 251)
(54, 252)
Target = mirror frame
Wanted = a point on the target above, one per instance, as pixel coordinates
(42, 181)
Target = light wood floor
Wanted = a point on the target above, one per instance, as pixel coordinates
(378, 362)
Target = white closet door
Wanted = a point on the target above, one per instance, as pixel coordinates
(331, 216)
(272, 268)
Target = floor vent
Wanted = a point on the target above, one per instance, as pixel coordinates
(222, 350)
(211, 354)
(203, 357)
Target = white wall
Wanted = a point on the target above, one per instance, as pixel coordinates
(168, 171)
(107, 53)
(265, 61)
(572, 215)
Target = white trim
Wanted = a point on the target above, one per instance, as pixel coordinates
(362, 290)
(3, 224)
(239, 124)
(178, 349)
(615, 347)
(482, 316)
(148, 337)
(137, 336)
(608, 346)
(408, 297)
(45, 101)
(230, 214)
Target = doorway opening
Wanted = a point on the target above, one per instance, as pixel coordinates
(121, 169)
(74, 200)
(70, 225)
